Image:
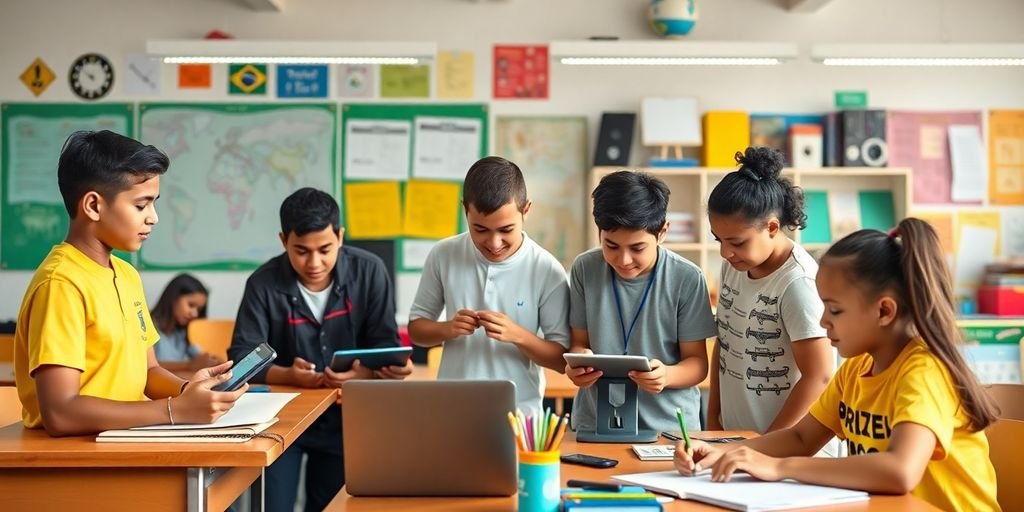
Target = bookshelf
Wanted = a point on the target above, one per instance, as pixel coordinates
(691, 186)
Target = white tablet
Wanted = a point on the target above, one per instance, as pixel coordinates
(612, 365)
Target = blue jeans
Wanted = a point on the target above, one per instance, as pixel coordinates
(325, 476)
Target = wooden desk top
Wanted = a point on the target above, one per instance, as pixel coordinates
(628, 463)
(557, 385)
(21, 447)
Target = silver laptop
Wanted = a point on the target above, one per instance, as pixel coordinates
(429, 438)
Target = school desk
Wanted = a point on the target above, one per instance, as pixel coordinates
(557, 385)
(39, 472)
(628, 463)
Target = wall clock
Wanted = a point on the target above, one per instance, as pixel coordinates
(91, 76)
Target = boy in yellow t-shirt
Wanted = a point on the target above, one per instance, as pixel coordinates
(83, 347)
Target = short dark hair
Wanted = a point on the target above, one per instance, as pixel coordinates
(491, 183)
(181, 284)
(106, 162)
(630, 200)
(757, 190)
(307, 210)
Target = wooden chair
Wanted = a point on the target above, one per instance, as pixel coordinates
(1009, 398)
(6, 348)
(10, 406)
(211, 336)
(434, 358)
(1004, 437)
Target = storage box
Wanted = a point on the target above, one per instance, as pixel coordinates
(1001, 300)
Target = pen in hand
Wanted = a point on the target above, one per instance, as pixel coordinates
(682, 428)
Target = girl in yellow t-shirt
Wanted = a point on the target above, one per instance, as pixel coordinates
(905, 404)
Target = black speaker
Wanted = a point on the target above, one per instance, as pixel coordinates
(615, 138)
(864, 138)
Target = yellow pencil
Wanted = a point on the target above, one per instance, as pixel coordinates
(551, 431)
(515, 431)
(561, 432)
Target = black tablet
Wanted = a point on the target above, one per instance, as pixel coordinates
(612, 365)
(373, 358)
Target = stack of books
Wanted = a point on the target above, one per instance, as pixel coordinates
(632, 498)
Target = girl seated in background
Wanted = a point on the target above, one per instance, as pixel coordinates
(184, 299)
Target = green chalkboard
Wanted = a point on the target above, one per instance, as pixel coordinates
(32, 213)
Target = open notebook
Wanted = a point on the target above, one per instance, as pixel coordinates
(743, 492)
(251, 415)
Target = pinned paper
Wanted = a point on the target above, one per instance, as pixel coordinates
(402, 81)
(431, 209)
(455, 75)
(942, 223)
(194, 76)
(1013, 232)
(967, 158)
(143, 75)
(355, 81)
(1006, 157)
(977, 246)
(373, 210)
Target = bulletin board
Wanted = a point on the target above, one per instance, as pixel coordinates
(32, 214)
(402, 171)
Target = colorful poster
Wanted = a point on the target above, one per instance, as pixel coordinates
(942, 222)
(373, 210)
(401, 81)
(455, 73)
(194, 76)
(1006, 157)
(301, 81)
(355, 80)
(521, 71)
(37, 77)
(431, 209)
(250, 79)
(977, 245)
(920, 140)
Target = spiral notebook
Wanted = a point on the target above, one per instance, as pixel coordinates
(239, 434)
(249, 417)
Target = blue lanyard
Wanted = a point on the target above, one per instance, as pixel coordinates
(618, 306)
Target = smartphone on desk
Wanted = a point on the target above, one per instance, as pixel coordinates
(247, 367)
(589, 460)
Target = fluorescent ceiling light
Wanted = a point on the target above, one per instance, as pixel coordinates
(939, 54)
(217, 51)
(672, 53)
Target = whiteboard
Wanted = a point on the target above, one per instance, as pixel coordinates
(670, 122)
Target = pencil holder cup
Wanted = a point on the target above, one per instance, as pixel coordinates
(539, 481)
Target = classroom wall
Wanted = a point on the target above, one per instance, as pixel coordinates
(59, 31)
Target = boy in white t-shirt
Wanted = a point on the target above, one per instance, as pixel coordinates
(499, 289)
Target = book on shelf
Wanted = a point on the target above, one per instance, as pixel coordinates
(743, 492)
(237, 434)
(654, 451)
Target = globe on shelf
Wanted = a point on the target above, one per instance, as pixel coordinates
(672, 18)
